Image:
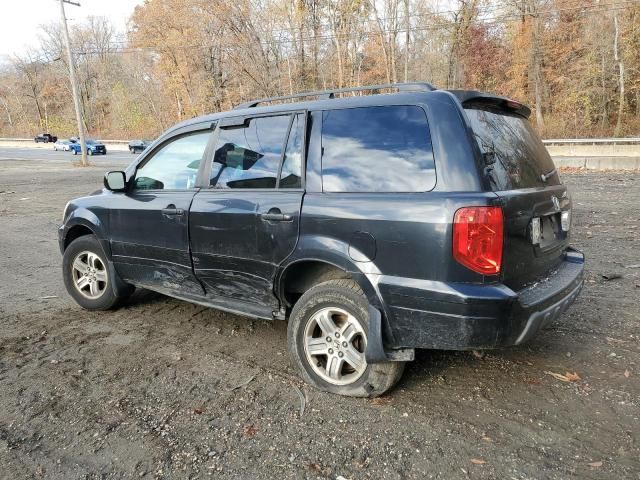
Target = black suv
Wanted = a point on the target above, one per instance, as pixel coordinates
(375, 224)
(45, 138)
(138, 146)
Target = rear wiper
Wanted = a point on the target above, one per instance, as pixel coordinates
(546, 176)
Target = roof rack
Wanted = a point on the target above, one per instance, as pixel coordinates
(328, 94)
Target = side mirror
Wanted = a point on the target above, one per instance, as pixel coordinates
(115, 181)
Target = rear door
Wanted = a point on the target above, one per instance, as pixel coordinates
(536, 205)
(246, 223)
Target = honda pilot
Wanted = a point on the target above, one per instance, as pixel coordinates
(373, 224)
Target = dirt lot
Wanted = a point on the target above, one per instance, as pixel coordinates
(162, 388)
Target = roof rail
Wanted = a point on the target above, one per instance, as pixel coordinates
(328, 94)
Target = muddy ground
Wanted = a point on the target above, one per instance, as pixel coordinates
(165, 389)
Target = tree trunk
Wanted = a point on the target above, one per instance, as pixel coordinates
(6, 107)
(301, 13)
(619, 60)
(605, 113)
(536, 66)
(290, 77)
(407, 37)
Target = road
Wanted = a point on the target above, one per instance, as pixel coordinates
(50, 156)
(164, 389)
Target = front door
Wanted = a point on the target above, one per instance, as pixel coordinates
(246, 223)
(150, 222)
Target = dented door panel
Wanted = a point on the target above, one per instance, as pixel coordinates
(150, 239)
(236, 249)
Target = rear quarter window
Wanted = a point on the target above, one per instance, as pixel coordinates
(377, 149)
(521, 158)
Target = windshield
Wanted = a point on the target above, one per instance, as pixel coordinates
(515, 155)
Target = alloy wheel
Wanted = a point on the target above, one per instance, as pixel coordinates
(334, 346)
(89, 275)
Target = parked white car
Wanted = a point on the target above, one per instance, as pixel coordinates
(62, 145)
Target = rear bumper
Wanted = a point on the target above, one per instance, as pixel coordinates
(427, 314)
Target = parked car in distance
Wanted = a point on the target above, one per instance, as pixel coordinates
(138, 146)
(373, 224)
(94, 147)
(63, 145)
(45, 138)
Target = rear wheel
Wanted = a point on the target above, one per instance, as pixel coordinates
(88, 278)
(327, 338)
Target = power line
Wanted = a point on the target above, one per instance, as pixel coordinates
(490, 21)
(438, 14)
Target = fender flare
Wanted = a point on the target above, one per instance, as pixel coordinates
(334, 252)
(85, 218)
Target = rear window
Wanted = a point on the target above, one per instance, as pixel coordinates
(377, 149)
(520, 156)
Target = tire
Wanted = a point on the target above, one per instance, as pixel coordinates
(90, 152)
(75, 152)
(342, 302)
(100, 293)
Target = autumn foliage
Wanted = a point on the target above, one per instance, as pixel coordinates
(575, 62)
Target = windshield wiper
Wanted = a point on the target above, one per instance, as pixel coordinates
(546, 176)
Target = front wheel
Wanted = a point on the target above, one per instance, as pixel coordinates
(88, 278)
(327, 339)
(75, 152)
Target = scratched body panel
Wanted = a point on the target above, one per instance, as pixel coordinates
(235, 251)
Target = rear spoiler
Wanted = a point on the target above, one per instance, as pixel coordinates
(472, 98)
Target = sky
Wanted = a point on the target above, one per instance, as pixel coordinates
(20, 19)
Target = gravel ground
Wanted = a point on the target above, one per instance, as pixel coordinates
(164, 389)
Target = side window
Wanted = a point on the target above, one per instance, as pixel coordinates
(175, 165)
(249, 157)
(291, 175)
(377, 149)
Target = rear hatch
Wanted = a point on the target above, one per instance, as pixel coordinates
(518, 168)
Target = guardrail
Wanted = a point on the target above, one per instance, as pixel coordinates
(549, 141)
(591, 141)
(61, 138)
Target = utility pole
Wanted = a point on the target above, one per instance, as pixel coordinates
(74, 84)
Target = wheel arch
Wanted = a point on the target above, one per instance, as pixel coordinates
(82, 222)
(303, 272)
(75, 232)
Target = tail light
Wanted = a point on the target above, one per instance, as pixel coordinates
(477, 238)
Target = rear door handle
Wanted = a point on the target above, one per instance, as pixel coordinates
(275, 215)
(172, 210)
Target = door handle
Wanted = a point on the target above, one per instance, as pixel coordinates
(172, 210)
(275, 215)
